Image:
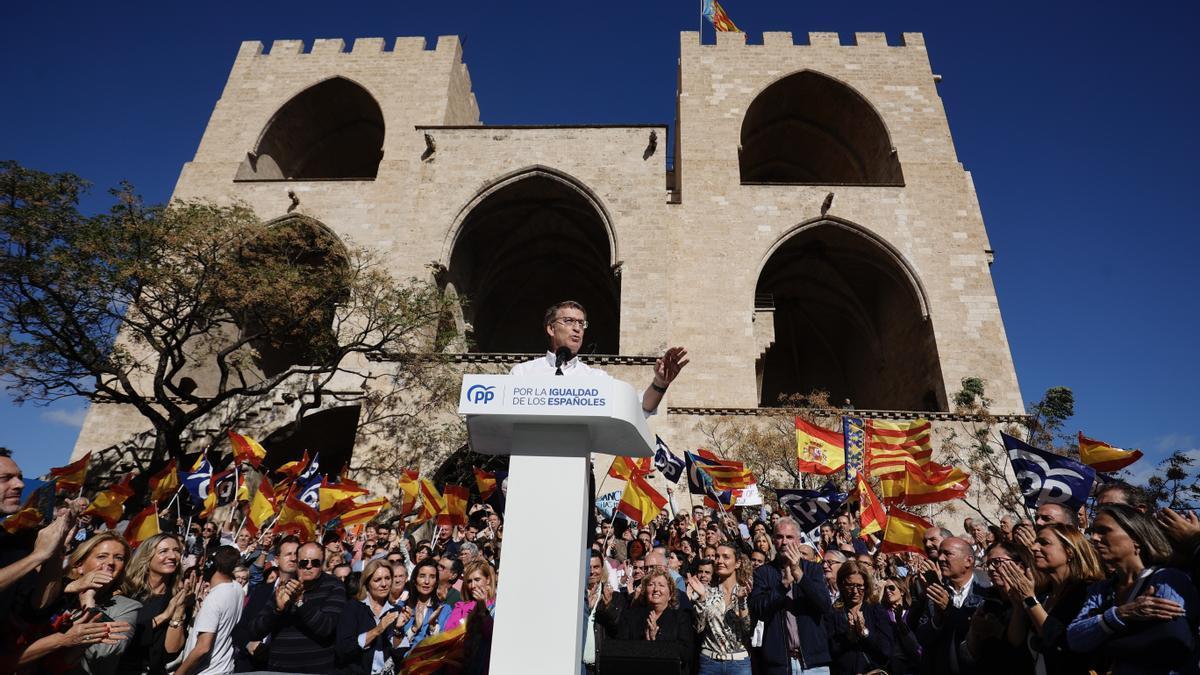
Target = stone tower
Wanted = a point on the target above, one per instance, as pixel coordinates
(814, 227)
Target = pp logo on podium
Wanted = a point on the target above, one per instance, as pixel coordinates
(481, 394)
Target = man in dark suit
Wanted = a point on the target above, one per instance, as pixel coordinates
(251, 655)
(790, 598)
(949, 606)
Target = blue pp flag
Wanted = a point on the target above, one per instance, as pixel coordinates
(1047, 477)
(309, 483)
(670, 466)
(810, 508)
(197, 482)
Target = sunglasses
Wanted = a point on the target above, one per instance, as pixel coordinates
(310, 562)
(890, 588)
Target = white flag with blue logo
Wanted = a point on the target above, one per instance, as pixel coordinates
(810, 508)
(1047, 477)
(310, 484)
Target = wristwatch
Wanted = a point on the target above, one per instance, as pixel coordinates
(1031, 602)
(175, 623)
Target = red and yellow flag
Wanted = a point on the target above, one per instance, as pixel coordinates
(262, 506)
(905, 532)
(444, 650)
(953, 486)
(333, 494)
(27, 518)
(726, 474)
(1103, 457)
(70, 478)
(624, 467)
(715, 13)
(485, 481)
(454, 509)
(246, 449)
(164, 483)
(819, 450)
(298, 517)
(142, 526)
(364, 512)
(410, 489)
(870, 512)
(432, 502)
(109, 505)
(640, 501)
(292, 469)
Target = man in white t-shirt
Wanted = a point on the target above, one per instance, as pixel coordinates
(209, 648)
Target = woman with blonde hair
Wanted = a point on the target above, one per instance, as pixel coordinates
(154, 577)
(365, 634)
(99, 615)
(478, 611)
(763, 543)
(655, 616)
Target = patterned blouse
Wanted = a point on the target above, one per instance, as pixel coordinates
(722, 630)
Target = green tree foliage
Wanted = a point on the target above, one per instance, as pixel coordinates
(1174, 484)
(181, 311)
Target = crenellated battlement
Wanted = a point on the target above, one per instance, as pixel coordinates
(402, 47)
(776, 39)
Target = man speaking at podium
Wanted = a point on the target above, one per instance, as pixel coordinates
(564, 323)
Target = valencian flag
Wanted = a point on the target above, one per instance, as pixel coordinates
(1103, 457)
(726, 474)
(446, 649)
(715, 13)
(364, 512)
(298, 517)
(432, 502)
(70, 478)
(810, 508)
(246, 449)
(485, 481)
(142, 526)
(818, 450)
(670, 466)
(333, 494)
(1047, 477)
(953, 486)
(454, 506)
(624, 467)
(905, 532)
(410, 487)
(109, 505)
(164, 483)
(38, 506)
(262, 506)
(641, 502)
(854, 440)
(870, 511)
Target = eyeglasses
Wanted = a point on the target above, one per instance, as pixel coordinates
(569, 321)
(310, 562)
(853, 587)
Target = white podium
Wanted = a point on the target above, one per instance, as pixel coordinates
(550, 426)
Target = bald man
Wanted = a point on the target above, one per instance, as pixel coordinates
(949, 606)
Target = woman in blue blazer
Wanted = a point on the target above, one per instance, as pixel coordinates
(365, 634)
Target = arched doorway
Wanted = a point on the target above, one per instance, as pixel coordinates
(808, 128)
(531, 241)
(332, 130)
(330, 432)
(848, 317)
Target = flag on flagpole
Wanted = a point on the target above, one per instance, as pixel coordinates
(198, 480)
(109, 505)
(298, 517)
(1103, 457)
(810, 508)
(262, 506)
(432, 502)
(953, 486)
(905, 532)
(39, 505)
(641, 502)
(291, 470)
(71, 477)
(309, 482)
(246, 449)
(446, 649)
(1047, 477)
(164, 483)
(333, 494)
(486, 482)
(726, 474)
(819, 450)
(454, 506)
(142, 526)
(870, 512)
(715, 13)
(624, 467)
(363, 512)
(670, 466)
(854, 440)
(410, 487)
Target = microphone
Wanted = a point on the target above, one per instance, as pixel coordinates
(561, 356)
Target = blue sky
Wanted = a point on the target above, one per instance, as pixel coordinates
(1073, 117)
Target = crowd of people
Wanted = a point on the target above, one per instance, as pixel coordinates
(703, 591)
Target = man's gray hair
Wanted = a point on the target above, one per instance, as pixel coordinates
(791, 522)
(837, 555)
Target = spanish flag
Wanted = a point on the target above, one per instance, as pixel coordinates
(164, 483)
(109, 505)
(640, 501)
(715, 13)
(142, 526)
(29, 517)
(905, 532)
(1103, 457)
(819, 450)
(446, 649)
(410, 488)
(70, 478)
(262, 506)
(454, 506)
(292, 469)
(246, 449)
(624, 467)
(364, 512)
(485, 481)
(870, 512)
(298, 517)
(332, 494)
(432, 502)
(953, 486)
